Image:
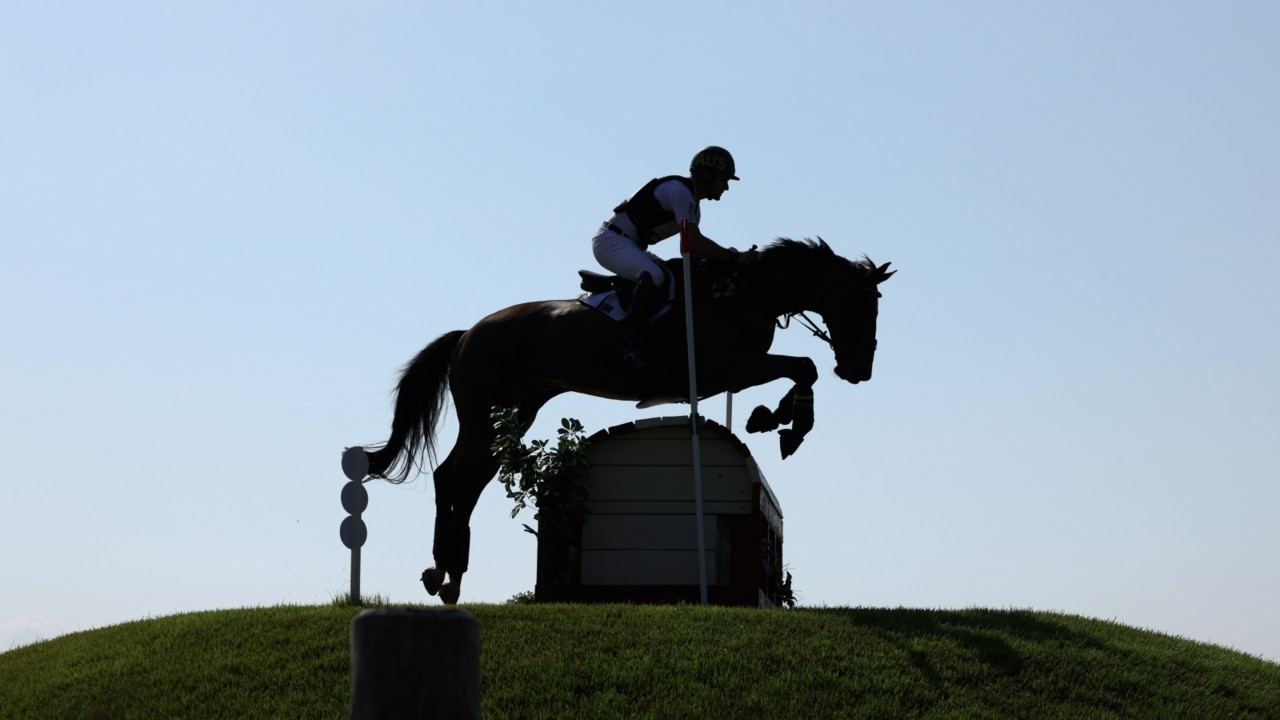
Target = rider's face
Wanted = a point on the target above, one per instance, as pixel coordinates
(718, 185)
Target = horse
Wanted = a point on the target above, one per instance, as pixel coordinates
(524, 355)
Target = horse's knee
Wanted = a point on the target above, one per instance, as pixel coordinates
(808, 374)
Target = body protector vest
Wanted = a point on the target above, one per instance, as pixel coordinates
(647, 215)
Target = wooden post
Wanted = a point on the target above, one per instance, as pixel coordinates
(409, 663)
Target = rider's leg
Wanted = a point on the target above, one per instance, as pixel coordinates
(645, 300)
(621, 256)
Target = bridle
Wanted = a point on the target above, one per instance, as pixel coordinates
(784, 322)
(838, 347)
(843, 345)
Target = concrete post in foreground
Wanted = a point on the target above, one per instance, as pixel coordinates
(415, 664)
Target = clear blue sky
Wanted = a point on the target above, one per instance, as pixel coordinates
(226, 226)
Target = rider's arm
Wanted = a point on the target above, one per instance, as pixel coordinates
(702, 246)
(675, 197)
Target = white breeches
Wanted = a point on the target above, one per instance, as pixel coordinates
(621, 256)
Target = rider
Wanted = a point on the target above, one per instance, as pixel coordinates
(655, 212)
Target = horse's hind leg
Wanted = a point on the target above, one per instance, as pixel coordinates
(460, 547)
(473, 466)
(443, 537)
(458, 481)
(444, 540)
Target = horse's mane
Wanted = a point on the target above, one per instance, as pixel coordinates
(786, 251)
(783, 249)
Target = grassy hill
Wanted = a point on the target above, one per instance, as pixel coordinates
(559, 661)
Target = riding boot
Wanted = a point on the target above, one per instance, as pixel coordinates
(644, 302)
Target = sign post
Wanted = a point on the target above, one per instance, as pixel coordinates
(355, 465)
(693, 409)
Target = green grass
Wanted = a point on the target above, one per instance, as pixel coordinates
(559, 661)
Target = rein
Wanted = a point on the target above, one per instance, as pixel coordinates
(808, 324)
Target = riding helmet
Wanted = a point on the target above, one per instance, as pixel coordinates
(715, 158)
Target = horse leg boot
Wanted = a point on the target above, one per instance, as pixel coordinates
(457, 563)
(442, 549)
(644, 302)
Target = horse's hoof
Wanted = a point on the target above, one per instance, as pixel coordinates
(432, 579)
(761, 420)
(789, 440)
(449, 593)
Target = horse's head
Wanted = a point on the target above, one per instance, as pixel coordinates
(809, 275)
(848, 299)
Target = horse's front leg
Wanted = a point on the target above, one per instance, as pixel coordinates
(801, 421)
(765, 420)
(795, 408)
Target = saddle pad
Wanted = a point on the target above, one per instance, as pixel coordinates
(606, 302)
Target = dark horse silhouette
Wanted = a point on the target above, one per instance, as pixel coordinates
(526, 354)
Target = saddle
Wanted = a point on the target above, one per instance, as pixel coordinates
(611, 294)
(594, 282)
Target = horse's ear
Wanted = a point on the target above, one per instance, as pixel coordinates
(884, 273)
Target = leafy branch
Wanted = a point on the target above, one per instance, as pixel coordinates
(547, 477)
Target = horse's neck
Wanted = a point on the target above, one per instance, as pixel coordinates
(777, 292)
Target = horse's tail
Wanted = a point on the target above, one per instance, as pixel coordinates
(419, 400)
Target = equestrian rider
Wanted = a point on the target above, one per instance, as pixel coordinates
(655, 213)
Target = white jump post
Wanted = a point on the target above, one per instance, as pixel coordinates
(693, 409)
